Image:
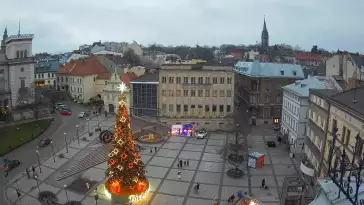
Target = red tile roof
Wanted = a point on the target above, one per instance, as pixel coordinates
(82, 67)
(305, 56)
(125, 77)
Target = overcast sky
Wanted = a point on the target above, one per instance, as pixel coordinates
(61, 26)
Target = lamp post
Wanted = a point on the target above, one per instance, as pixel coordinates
(36, 179)
(54, 158)
(78, 135)
(98, 123)
(37, 152)
(88, 126)
(65, 189)
(65, 140)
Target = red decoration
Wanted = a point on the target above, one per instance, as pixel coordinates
(111, 162)
(130, 165)
(132, 147)
(124, 155)
(141, 187)
(118, 129)
(115, 187)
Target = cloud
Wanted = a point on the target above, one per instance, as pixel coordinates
(65, 25)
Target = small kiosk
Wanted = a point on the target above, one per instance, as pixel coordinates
(182, 130)
(256, 160)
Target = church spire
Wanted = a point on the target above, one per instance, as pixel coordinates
(265, 30)
(265, 37)
(5, 36)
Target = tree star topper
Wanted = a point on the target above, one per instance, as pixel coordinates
(122, 87)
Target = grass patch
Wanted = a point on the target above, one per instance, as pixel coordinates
(14, 136)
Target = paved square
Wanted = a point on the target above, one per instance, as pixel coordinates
(206, 166)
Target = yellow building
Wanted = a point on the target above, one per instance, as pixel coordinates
(197, 94)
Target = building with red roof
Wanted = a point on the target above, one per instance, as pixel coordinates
(308, 59)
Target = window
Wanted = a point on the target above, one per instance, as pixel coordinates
(21, 54)
(222, 80)
(164, 108)
(164, 79)
(185, 93)
(193, 80)
(42, 74)
(193, 93)
(214, 108)
(343, 134)
(178, 108)
(171, 80)
(228, 108)
(105, 82)
(22, 83)
(347, 137)
(207, 80)
(200, 93)
(17, 54)
(334, 125)
(185, 108)
(22, 69)
(170, 108)
(170, 93)
(50, 76)
(221, 108)
(200, 80)
(178, 93)
(207, 93)
(359, 148)
(229, 80)
(185, 80)
(228, 93)
(178, 80)
(207, 108)
(214, 80)
(25, 54)
(164, 92)
(222, 93)
(267, 98)
(278, 98)
(94, 79)
(214, 93)
(193, 107)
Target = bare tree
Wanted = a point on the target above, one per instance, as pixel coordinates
(27, 99)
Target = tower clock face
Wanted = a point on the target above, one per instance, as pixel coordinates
(252, 162)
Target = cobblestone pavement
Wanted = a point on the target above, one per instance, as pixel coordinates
(206, 166)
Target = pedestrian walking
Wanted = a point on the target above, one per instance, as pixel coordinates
(197, 187)
(33, 169)
(181, 163)
(232, 197)
(263, 183)
(28, 174)
(214, 202)
(155, 149)
(178, 165)
(151, 151)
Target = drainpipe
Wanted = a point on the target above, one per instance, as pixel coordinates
(317, 174)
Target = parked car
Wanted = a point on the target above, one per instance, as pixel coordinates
(10, 165)
(201, 134)
(44, 142)
(82, 114)
(58, 105)
(271, 144)
(65, 112)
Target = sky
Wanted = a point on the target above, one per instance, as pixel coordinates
(61, 26)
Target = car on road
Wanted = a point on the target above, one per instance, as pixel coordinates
(65, 112)
(10, 165)
(58, 105)
(44, 142)
(82, 114)
(201, 134)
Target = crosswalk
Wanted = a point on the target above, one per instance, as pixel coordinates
(94, 158)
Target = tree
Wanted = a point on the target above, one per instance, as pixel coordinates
(126, 172)
(27, 99)
(132, 57)
(314, 49)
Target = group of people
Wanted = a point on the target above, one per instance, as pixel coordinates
(231, 199)
(182, 163)
(155, 149)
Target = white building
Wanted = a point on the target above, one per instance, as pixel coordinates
(112, 92)
(16, 67)
(295, 108)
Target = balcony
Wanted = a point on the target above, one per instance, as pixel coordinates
(307, 168)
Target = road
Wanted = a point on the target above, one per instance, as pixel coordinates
(27, 153)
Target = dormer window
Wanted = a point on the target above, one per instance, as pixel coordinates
(294, 73)
(282, 72)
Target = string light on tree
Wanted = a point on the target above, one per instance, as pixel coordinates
(126, 171)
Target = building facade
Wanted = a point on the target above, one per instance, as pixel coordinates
(258, 88)
(295, 109)
(45, 73)
(16, 69)
(145, 91)
(197, 94)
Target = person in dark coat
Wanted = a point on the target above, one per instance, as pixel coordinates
(232, 197)
(181, 163)
(263, 183)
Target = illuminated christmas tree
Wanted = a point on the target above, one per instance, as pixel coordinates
(125, 175)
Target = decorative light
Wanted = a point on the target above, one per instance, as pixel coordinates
(139, 197)
(122, 119)
(252, 202)
(122, 87)
(119, 167)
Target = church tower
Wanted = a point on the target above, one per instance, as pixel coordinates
(5, 36)
(265, 37)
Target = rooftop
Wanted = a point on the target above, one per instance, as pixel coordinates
(124, 77)
(346, 99)
(301, 87)
(152, 78)
(83, 67)
(269, 70)
(326, 93)
(199, 66)
(47, 66)
(305, 56)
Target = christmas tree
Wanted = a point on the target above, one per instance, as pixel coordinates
(125, 175)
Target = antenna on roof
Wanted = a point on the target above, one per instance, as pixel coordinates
(19, 28)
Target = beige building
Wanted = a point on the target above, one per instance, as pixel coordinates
(197, 94)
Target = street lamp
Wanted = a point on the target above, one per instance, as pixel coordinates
(65, 140)
(37, 151)
(98, 123)
(54, 158)
(65, 189)
(36, 179)
(78, 135)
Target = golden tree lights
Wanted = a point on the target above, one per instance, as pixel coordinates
(126, 172)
